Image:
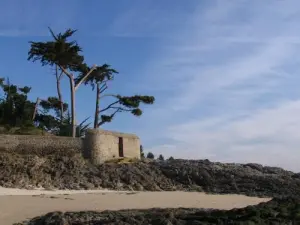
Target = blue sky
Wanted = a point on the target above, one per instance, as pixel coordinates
(225, 73)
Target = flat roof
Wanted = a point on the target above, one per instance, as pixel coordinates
(114, 133)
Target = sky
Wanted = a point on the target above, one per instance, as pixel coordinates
(225, 73)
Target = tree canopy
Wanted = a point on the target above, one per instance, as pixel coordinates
(15, 108)
(150, 155)
(20, 115)
(60, 51)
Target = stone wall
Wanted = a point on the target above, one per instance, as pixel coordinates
(101, 145)
(40, 145)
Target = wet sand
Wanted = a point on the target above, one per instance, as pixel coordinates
(17, 208)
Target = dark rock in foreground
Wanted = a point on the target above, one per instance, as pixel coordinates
(275, 212)
(72, 172)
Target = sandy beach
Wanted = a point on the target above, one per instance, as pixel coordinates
(18, 205)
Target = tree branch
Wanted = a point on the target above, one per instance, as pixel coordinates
(109, 106)
(35, 108)
(85, 76)
(60, 75)
(108, 95)
(103, 88)
(56, 72)
(123, 109)
(111, 116)
(101, 123)
(66, 72)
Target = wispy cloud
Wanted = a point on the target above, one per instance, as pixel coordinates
(32, 17)
(268, 136)
(227, 83)
(149, 19)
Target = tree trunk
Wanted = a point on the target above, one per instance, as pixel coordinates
(73, 89)
(59, 95)
(96, 119)
(72, 84)
(60, 101)
(35, 108)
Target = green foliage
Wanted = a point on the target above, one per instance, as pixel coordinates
(24, 130)
(161, 157)
(171, 158)
(100, 75)
(135, 101)
(53, 103)
(142, 152)
(132, 103)
(82, 128)
(25, 90)
(126, 104)
(16, 114)
(47, 122)
(60, 51)
(48, 115)
(52, 123)
(150, 155)
(15, 108)
(66, 127)
(29, 131)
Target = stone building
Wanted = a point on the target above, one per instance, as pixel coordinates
(98, 146)
(101, 145)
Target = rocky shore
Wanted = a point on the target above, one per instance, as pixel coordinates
(276, 212)
(72, 172)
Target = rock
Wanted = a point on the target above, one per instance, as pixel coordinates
(278, 211)
(73, 172)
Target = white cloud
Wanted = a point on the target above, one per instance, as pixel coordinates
(211, 80)
(229, 85)
(268, 136)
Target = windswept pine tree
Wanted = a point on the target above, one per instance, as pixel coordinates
(99, 79)
(66, 56)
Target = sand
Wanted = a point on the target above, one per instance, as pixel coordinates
(18, 205)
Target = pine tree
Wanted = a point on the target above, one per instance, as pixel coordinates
(150, 155)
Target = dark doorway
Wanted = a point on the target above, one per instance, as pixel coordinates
(121, 150)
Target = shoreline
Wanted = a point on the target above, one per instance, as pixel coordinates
(18, 208)
(42, 191)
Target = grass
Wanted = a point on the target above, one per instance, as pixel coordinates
(23, 131)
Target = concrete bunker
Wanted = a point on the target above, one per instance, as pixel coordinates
(101, 145)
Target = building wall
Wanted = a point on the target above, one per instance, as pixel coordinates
(101, 145)
(132, 147)
(40, 145)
